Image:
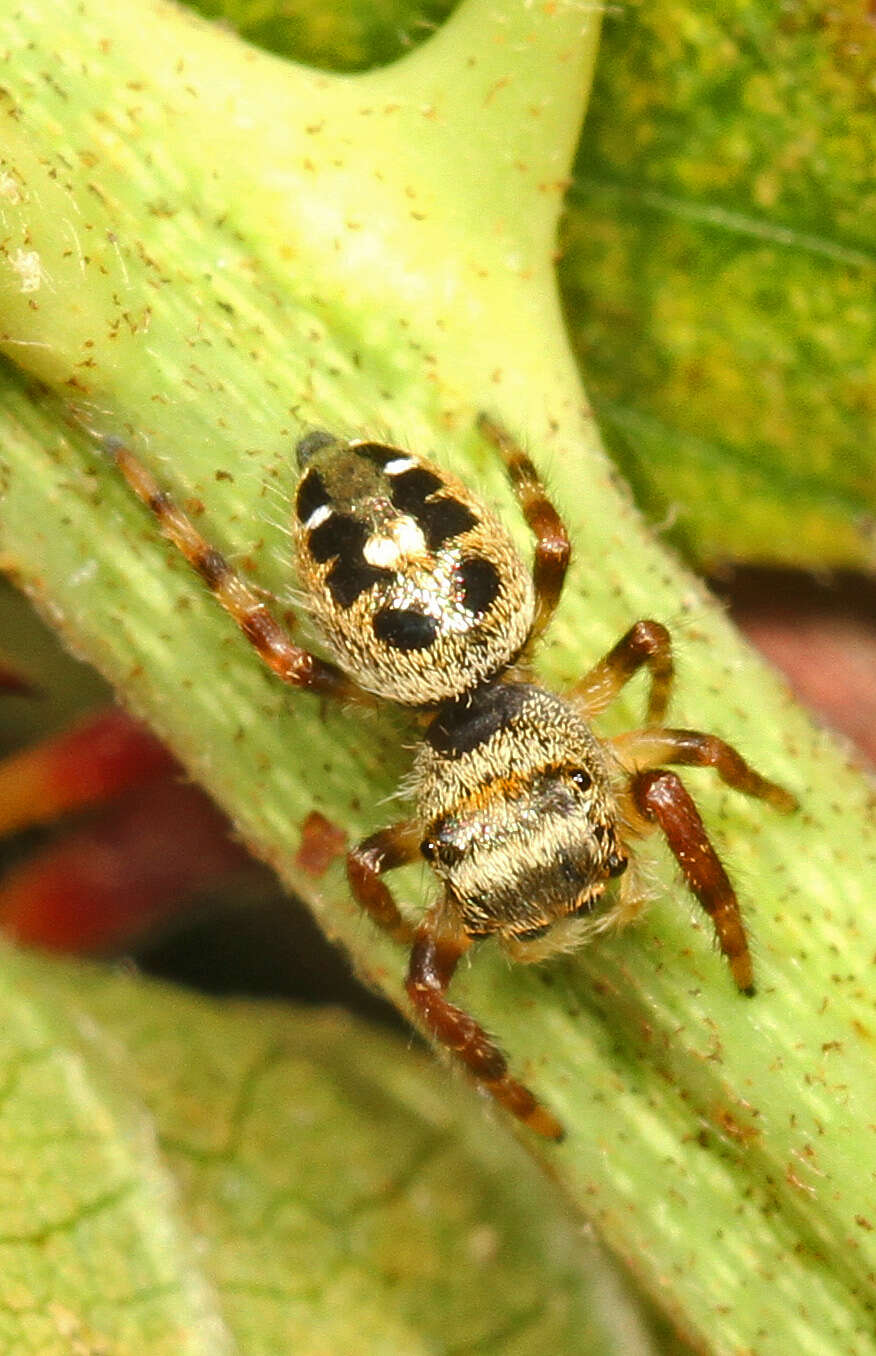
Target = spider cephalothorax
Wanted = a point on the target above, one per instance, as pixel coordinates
(524, 814)
(514, 794)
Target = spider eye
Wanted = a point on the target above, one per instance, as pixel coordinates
(616, 865)
(440, 851)
(582, 779)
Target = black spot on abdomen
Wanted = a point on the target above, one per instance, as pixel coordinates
(312, 495)
(378, 453)
(404, 629)
(409, 490)
(444, 519)
(480, 584)
(344, 538)
(440, 519)
(340, 535)
(348, 578)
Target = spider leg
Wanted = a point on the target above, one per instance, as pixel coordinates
(367, 862)
(643, 749)
(434, 958)
(552, 547)
(661, 798)
(646, 642)
(242, 601)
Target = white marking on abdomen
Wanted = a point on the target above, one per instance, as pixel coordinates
(398, 540)
(395, 468)
(318, 517)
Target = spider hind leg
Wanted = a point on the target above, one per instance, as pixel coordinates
(553, 549)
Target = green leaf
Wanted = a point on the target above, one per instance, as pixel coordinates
(208, 251)
(719, 274)
(185, 1176)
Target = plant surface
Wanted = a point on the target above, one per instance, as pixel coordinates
(208, 250)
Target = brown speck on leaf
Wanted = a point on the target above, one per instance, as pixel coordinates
(321, 843)
(724, 1118)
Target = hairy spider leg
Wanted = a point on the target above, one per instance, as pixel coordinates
(639, 750)
(646, 643)
(435, 955)
(552, 546)
(661, 798)
(240, 600)
(366, 863)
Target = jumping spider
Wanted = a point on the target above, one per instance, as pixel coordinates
(523, 813)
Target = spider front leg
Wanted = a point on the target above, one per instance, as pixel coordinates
(366, 863)
(660, 798)
(242, 601)
(642, 749)
(646, 643)
(435, 955)
(552, 546)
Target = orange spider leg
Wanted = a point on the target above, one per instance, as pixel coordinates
(366, 863)
(552, 547)
(641, 749)
(661, 799)
(240, 600)
(434, 959)
(646, 643)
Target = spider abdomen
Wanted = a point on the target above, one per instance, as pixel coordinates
(416, 587)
